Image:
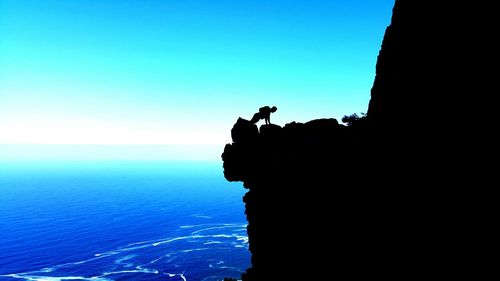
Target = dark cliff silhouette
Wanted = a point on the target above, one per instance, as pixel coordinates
(304, 197)
(371, 198)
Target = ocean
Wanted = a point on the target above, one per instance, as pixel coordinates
(129, 220)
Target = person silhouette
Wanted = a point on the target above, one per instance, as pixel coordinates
(264, 113)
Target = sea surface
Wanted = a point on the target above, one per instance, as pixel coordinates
(120, 221)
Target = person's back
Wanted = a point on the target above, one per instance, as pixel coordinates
(265, 113)
(265, 110)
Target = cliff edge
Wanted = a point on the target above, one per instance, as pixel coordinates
(378, 198)
(304, 201)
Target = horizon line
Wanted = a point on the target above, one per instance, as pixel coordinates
(118, 144)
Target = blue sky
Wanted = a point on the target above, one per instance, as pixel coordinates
(179, 71)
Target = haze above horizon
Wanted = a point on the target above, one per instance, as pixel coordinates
(180, 72)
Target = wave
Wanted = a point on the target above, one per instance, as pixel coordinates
(163, 257)
(215, 227)
(201, 216)
(58, 278)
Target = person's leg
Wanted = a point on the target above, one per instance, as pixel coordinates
(255, 118)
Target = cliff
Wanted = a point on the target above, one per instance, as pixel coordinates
(304, 198)
(372, 199)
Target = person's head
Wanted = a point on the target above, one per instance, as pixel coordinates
(274, 108)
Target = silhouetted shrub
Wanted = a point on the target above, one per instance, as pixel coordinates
(351, 119)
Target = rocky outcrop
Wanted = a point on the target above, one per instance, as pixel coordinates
(303, 197)
(377, 199)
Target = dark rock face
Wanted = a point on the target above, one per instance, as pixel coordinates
(244, 131)
(370, 200)
(422, 67)
(302, 197)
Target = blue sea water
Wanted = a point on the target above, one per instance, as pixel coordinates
(120, 221)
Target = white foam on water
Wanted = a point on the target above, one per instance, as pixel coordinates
(156, 260)
(176, 239)
(218, 265)
(58, 278)
(239, 242)
(55, 267)
(220, 236)
(197, 225)
(194, 250)
(140, 270)
(201, 216)
(230, 267)
(211, 224)
(140, 242)
(215, 227)
(242, 238)
(213, 277)
(125, 258)
(181, 275)
(213, 242)
(107, 254)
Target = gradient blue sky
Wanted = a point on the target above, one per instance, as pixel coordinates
(179, 71)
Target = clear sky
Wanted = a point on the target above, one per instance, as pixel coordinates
(180, 71)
